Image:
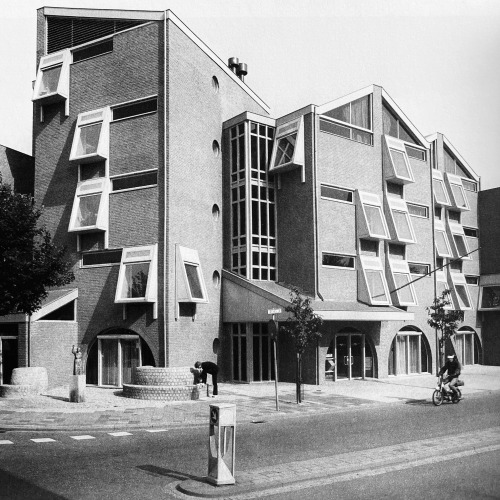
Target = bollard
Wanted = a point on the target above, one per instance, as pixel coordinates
(221, 444)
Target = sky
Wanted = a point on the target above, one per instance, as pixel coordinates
(438, 59)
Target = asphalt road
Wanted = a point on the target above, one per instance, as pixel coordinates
(142, 464)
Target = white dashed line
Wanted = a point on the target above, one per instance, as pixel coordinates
(6, 441)
(119, 434)
(79, 438)
(43, 440)
(157, 430)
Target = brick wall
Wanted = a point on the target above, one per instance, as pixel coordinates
(17, 169)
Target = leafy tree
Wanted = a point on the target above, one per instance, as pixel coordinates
(303, 327)
(29, 261)
(444, 320)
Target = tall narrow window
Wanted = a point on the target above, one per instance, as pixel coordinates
(441, 240)
(90, 206)
(91, 139)
(190, 282)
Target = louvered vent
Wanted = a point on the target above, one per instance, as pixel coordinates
(66, 32)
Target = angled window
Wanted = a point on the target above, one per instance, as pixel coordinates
(402, 290)
(458, 197)
(400, 221)
(336, 193)
(91, 139)
(490, 297)
(372, 285)
(441, 240)
(90, 206)
(396, 163)
(371, 220)
(288, 150)
(52, 79)
(190, 283)
(441, 286)
(416, 210)
(336, 260)
(440, 193)
(137, 279)
(459, 241)
(461, 291)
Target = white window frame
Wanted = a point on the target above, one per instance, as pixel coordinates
(441, 278)
(371, 200)
(458, 280)
(419, 205)
(331, 186)
(437, 178)
(458, 230)
(336, 254)
(189, 256)
(368, 263)
(292, 127)
(401, 267)
(399, 205)
(91, 187)
(391, 174)
(439, 228)
(87, 119)
(456, 180)
(138, 255)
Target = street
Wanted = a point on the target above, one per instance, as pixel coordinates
(141, 464)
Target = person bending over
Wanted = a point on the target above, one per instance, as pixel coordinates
(205, 368)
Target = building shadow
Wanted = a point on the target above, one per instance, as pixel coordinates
(173, 474)
(13, 487)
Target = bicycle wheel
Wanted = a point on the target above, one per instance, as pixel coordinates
(456, 399)
(437, 397)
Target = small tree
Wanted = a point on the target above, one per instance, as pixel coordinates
(444, 320)
(303, 326)
(29, 261)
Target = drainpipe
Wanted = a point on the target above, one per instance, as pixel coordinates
(432, 163)
(165, 187)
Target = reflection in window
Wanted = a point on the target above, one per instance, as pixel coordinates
(88, 209)
(194, 280)
(490, 297)
(338, 260)
(136, 280)
(89, 139)
(50, 81)
(286, 147)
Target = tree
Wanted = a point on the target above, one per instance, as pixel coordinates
(303, 327)
(30, 262)
(444, 320)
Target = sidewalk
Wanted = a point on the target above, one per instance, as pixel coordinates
(108, 409)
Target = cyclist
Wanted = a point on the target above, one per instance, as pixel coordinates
(452, 366)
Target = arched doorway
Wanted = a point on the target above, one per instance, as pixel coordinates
(410, 352)
(349, 356)
(467, 346)
(114, 354)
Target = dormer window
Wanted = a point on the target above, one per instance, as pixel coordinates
(371, 220)
(190, 283)
(441, 240)
(458, 197)
(457, 236)
(402, 290)
(90, 206)
(440, 194)
(91, 139)
(372, 285)
(401, 222)
(288, 151)
(396, 162)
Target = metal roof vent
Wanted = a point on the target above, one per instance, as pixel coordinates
(233, 63)
(242, 71)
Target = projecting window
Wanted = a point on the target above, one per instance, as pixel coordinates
(137, 279)
(440, 193)
(471, 232)
(459, 241)
(90, 207)
(52, 80)
(288, 151)
(95, 50)
(91, 139)
(104, 258)
(373, 289)
(190, 283)
(373, 224)
(462, 295)
(335, 193)
(402, 291)
(421, 269)
(490, 297)
(401, 220)
(472, 280)
(135, 108)
(441, 240)
(442, 286)
(396, 163)
(418, 154)
(469, 185)
(458, 197)
(418, 210)
(334, 260)
(135, 181)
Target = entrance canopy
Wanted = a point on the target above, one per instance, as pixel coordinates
(249, 301)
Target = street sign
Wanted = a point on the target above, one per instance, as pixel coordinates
(274, 311)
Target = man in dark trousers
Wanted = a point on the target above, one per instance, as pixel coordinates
(452, 366)
(205, 368)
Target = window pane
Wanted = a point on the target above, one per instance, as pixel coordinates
(390, 123)
(401, 219)
(404, 294)
(470, 232)
(441, 243)
(376, 285)
(89, 139)
(396, 189)
(469, 185)
(194, 281)
(334, 128)
(419, 268)
(449, 163)
(368, 247)
(361, 136)
(374, 217)
(338, 260)
(101, 258)
(418, 210)
(454, 216)
(136, 108)
(399, 162)
(472, 280)
(439, 192)
(413, 348)
(458, 195)
(460, 243)
(135, 181)
(404, 133)
(286, 147)
(336, 193)
(360, 112)
(491, 297)
(468, 349)
(342, 113)
(402, 366)
(88, 209)
(50, 80)
(136, 280)
(415, 153)
(463, 300)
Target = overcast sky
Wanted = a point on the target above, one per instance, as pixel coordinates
(438, 59)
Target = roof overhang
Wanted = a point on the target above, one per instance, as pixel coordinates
(249, 116)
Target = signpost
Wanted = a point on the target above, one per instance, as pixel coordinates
(273, 332)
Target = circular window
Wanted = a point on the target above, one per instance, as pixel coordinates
(215, 212)
(216, 346)
(215, 84)
(216, 148)
(216, 279)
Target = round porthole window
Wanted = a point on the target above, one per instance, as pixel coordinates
(216, 346)
(216, 148)
(215, 212)
(215, 84)
(216, 279)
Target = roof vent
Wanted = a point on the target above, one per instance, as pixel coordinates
(233, 63)
(242, 71)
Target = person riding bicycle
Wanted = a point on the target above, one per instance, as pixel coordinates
(452, 366)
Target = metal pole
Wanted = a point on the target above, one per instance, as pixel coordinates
(276, 376)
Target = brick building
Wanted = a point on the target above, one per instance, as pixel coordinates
(189, 211)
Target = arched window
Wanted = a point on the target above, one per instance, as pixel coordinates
(467, 346)
(410, 352)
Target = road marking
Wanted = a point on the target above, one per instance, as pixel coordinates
(79, 438)
(119, 434)
(43, 440)
(157, 430)
(6, 441)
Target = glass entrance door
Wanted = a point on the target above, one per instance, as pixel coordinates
(349, 359)
(109, 362)
(343, 358)
(118, 356)
(130, 359)
(356, 356)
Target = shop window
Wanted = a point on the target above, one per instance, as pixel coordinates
(458, 197)
(52, 79)
(335, 260)
(336, 193)
(490, 297)
(415, 210)
(90, 206)
(288, 151)
(441, 240)
(460, 291)
(396, 162)
(440, 193)
(401, 222)
(371, 223)
(402, 290)
(91, 139)
(459, 241)
(135, 108)
(190, 283)
(372, 285)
